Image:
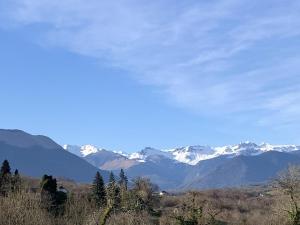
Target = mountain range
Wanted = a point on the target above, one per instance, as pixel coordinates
(191, 155)
(190, 167)
(197, 166)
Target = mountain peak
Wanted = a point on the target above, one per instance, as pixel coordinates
(192, 154)
(83, 150)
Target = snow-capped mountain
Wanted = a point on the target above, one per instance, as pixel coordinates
(196, 166)
(142, 155)
(191, 154)
(194, 154)
(82, 151)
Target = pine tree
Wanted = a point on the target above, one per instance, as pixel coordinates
(124, 195)
(16, 181)
(123, 180)
(111, 189)
(5, 169)
(5, 178)
(98, 190)
(112, 179)
(113, 192)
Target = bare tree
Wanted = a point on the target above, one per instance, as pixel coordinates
(288, 183)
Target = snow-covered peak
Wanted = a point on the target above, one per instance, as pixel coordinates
(142, 155)
(82, 151)
(189, 154)
(192, 154)
(246, 148)
(89, 149)
(279, 148)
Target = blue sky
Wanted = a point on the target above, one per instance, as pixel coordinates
(128, 74)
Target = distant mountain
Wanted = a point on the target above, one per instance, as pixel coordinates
(190, 154)
(241, 170)
(147, 152)
(218, 172)
(197, 166)
(82, 151)
(101, 158)
(163, 171)
(36, 155)
(194, 154)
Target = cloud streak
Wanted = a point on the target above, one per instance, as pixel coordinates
(228, 57)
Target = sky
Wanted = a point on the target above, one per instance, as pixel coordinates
(128, 74)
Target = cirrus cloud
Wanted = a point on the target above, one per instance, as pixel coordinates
(211, 57)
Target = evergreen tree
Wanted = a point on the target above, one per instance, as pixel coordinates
(111, 188)
(98, 190)
(123, 180)
(5, 169)
(5, 178)
(124, 195)
(16, 181)
(112, 179)
(113, 192)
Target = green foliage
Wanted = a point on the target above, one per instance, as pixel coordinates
(16, 181)
(48, 184)
(123, 180)
(113, 192)
(5, 169)
(52, 199)
(105, 215)
(5, 178)
(98, 190)
(143, 194)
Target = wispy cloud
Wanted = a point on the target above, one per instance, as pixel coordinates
(228, 56)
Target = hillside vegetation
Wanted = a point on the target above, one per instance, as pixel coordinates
(26, 201)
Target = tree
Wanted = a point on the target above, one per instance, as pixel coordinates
(16, 181)
(288, 183)
(5, 178)
(52, 199)
(49, 184)
(144, 194)
(124, 194)
(48, 191)
(5, 169)
(123, 180)
(98, 190)
(113, 192)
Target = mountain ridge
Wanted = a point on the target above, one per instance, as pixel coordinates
(191, 155)
(36, 155)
